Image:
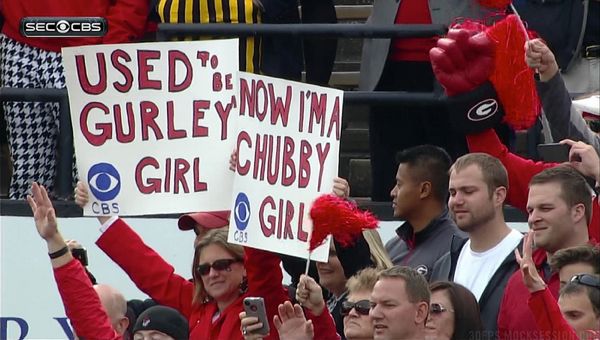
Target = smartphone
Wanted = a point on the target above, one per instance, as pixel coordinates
(554, 152)
(255, 306)
(81, 255)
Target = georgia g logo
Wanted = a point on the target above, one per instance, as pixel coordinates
(483, 110)
(104, 181)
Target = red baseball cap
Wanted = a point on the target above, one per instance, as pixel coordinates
(207, 220)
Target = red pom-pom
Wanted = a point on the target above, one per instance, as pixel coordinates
(335, 216)
(512, 78)
(494, 3)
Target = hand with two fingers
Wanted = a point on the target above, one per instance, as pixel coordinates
(531, 278)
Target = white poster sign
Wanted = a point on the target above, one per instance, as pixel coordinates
(150, 124)
(288, 146)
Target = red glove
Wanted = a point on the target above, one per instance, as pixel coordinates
(462, 61)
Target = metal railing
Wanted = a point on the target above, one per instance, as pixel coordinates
(63, 183)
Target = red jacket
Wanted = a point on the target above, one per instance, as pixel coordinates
(548, 317)
(515, 320)
(126, 20)
(82, 304)
(158, 279)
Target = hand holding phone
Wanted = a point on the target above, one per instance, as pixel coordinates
(255, 306)
(554, 152)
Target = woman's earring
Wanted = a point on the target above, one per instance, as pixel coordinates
(244, 285)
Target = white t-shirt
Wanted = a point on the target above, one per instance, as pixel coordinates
(474, 270)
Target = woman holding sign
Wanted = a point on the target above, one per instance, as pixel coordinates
(223, 275)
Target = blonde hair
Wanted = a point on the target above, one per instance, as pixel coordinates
(218, 237)
(364, 280)
(379, 255)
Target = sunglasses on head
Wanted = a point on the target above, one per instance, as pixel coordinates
(437, 308)
(220, 265)
(587, 279)
(362, 307)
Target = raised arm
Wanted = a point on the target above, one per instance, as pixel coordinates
(146, 268)
(565, 121)
(82, 305)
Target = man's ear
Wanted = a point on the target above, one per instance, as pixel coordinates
(122, 325)
(500, 195)
(421, 313)
(426, 189)
(578, 212)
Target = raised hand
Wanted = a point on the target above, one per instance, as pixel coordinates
(310, 295)
(531, 278)
(43, 212)
(341, 188)
(462, 62)
(584, 158)
(538, 56)
(291, 323)
(82, 196)
(45, 222)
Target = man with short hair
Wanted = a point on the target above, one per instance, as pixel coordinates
(419, 197)
(399, 304)
(559, 206)
(575, 260)
(579, 303)
(483, 262)
(115, 305)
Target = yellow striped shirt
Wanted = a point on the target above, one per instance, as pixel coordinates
(217, 11)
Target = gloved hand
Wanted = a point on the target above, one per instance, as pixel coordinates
(462, 63)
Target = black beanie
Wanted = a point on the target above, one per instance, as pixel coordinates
(163, 319)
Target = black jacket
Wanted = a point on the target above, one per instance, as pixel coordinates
(489, 303)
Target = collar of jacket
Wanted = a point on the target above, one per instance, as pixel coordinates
(406, 232)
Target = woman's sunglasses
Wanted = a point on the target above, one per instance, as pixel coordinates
(362, 307)
(437, 308)
(220, 265)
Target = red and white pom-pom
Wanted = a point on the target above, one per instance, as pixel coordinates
(512, 78)
(343, 220)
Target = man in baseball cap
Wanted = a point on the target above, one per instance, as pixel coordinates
(161, 322)
(202, 222)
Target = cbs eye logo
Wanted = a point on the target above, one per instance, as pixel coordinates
(241, 211)
(104, 181)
